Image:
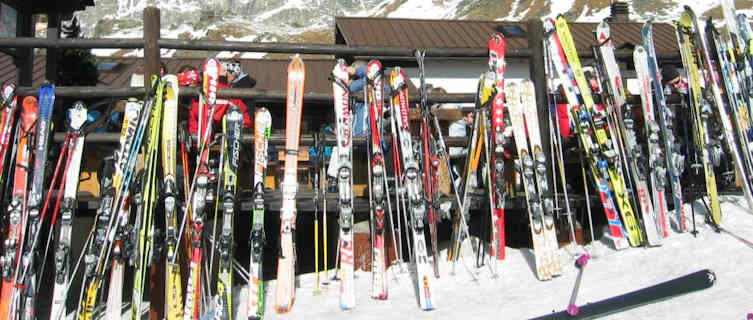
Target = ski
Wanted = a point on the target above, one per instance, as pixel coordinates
(119, 255)
(375, 98)
(580, 116)
(7, 123)
(412, 185)
(142, 255)
(95, 242)
(478, 133)
(232, 127)
(526, 167)
(728, 77)
(496, 142)
(77, 116)
(345, 183)
(669, 289)
(626, 124)
(674, 160)
(700, 108)
(285, 293)
(262, 130)
(429, 164)
(538, 157)
(656, 165)
(17, 205)
(25, 293)
(712, 80)
(198, 190)
(606, 146)
(173, 283)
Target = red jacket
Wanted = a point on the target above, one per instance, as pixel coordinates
(222, 106)
(564, 120)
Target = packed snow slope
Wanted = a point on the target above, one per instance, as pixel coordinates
(517, 294)
(313, 20)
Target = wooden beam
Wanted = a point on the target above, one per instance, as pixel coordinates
(53, 33)
(25, 61)
(538, 76)
(151, 46)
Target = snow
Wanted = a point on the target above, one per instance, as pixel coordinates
(517, 294)
(422, 9)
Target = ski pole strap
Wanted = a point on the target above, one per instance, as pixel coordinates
(7, 101)
(599, 44)
(339, 82)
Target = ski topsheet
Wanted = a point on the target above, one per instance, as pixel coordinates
(198, 194)
(77, 116)
(700, 108)
(345, 183)
(657, 171)
(526, 165)
(232, 127)
(17, 205)
(285, 293)
(412, 185)
(7, 123)
(375, 95)
(119, 257)
(496, 142)
(26, 282)
(262, 130)
(686, 284)
(528, 99)
(173, 287)
(666, 118)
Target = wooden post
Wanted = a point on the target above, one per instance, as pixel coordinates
(535, 33)
(25, 28)
(151, 46)
(151, 18)
(53, 33)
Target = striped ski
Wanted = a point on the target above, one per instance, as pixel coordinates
(624, 115)
(375, 95)
(62, 252)
(343, 124)
(262, 130)
(580, 117)
(666, 118)
(412, 185)
(656, 164)
(173, 284)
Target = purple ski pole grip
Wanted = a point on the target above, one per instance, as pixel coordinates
(572, 309)
(582, 260)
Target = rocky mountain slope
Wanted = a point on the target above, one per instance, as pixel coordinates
(312, 20)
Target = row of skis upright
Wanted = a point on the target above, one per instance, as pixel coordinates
(635, 161)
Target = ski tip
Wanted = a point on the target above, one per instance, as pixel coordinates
(284, 308)
(572, 310)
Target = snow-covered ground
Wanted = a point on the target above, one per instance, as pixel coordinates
(517, 294)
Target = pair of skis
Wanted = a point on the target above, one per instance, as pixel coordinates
(521, 104)
(25, 214)
(599, 148)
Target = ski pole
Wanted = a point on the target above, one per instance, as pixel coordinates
(581, 262)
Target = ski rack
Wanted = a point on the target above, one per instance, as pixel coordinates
(151, 43)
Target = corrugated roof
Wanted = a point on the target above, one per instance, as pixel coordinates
(420, 33)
